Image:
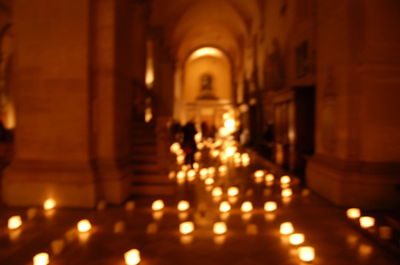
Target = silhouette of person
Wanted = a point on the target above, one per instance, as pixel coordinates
(188, 143)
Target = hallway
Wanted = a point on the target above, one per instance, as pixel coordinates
(252, 237)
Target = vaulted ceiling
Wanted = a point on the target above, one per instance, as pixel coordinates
(191, 24)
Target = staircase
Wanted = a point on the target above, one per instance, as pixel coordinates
(147, 177)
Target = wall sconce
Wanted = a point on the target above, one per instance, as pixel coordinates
(14, 222)
(246, 207)
(353, 213)
(296, 239)
(367, 222)
(224, 207)
(306, 254)
(186, 228)
(84, 226)
(132, 257)
(219, 228)
(286, 228)
(49, 204)
(270, 206)
(41, 259)
(158, 205)
(183, 206)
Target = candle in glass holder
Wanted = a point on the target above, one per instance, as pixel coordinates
(287, 193)
(203, 173)
(353, 213)
(157, 205)
(296, 239)
(132, 257)
(209, 181)
(84, 226)
(216, 192)
(285, 179)
(41, 259)
(219, 228)
(186, 228)
(49, 204)
(183, 205)
(270, 206)
(224, 207)
(367, 222)
(191, 175)
(286, 228)
(259, 174)
(246, 206)
(14, 222)
(306, 253)
(233, 191)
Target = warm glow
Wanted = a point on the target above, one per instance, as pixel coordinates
(175, 147)
(41, 259)
(353, 213)
(203, 173)
(49, 204)
(186, 228)
(230, 151)
(191, 175)
(180, 159)
(306, 253)
(233, 191)
(206, 51)
(196, 166)
(287, 193)
(220, 228)
(230, 124)
(245, 158)
(259, 174)
(285, 180)
(209, 181)
(132, 257)
(296, 239)
(148, 114)
(157, 205)
(183, 206)
(270, 206)
(367, 221)
(269, 177)
(247, 206)
(216, 192)
(222, 170)
(84, 225)
(214, 153)
(14, 222)
(198, 137)
(181, 175)
(211, 171)
(286, 228)
(224, 207)
(9, 119)
(171, 175)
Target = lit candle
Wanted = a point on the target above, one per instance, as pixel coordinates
(181, 175)
(285, 179)
(224, 207)
(203, 173)
(306, 254)
(246, 206)
(84, 226)
(233, 191)
(287, 192)
(259, 174)
(196, 166)
(186, 228)
(230, 151)
(211, 171)
(367, 221)
(269, 177)
(222, 170)
(49, 204)
(157, 205)
(286, 228)
(214, 153)
(191, 175)
(220, 228)
(296, 239)
(353, 213)
(14, 222)
(216, 192)
(209, 181)
(41, 259)
(183, 206)
(132, 257)
(270, 206)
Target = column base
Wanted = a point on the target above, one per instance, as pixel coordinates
(354, 183)
(30, 183)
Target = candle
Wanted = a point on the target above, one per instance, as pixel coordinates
(14, 222)
(220, 228)
(209, 181)
(216, 192)
(132, 257)
(306, 253)
(84, 226)
(246, 206)
(367, 222)
(287, 193)
(259, 174)
(353, 213)
(186, 228)
(286, 228)
(183, 206)
(222, 170)
(270, 206)
(203, 173)
(296, 239)
(191, 175)
(224, 207)
(157, 205)
(175, 147)
(285, 180)
(49, 204)
(196, 166)
(233, 191)
(41, 259)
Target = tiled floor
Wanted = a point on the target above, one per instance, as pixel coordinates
(251, 239)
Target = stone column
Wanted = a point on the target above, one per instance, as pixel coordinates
(52, 137)
(357, 160)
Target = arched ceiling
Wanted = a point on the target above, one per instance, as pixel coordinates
(191, 24)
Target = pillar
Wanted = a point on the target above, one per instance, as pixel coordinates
(357, 160)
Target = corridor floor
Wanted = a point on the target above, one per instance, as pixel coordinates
(252, 238)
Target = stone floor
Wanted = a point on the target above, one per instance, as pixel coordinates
(251, 239)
